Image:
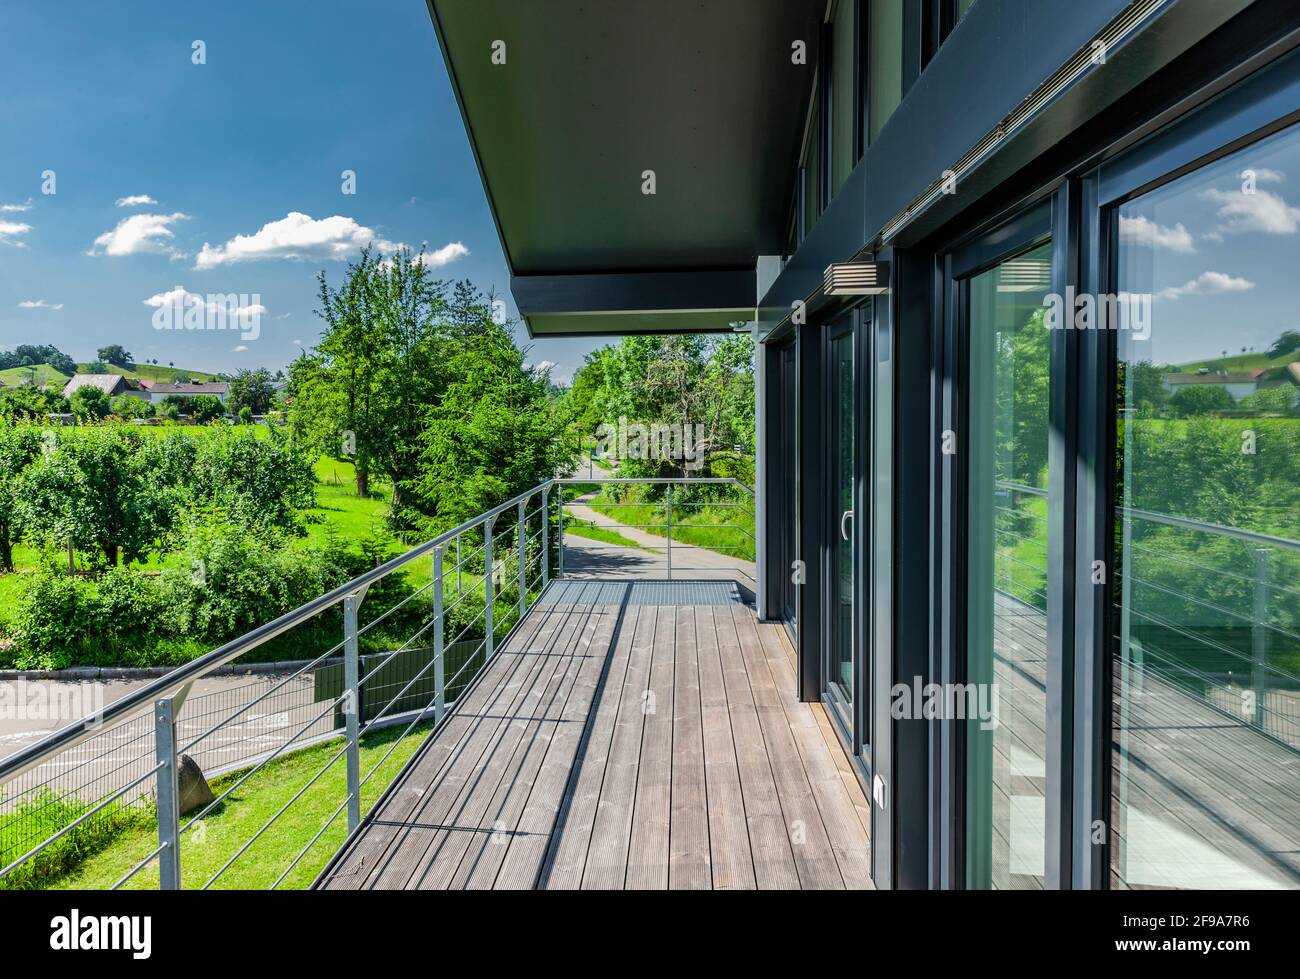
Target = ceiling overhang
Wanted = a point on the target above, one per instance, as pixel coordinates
(572, 105)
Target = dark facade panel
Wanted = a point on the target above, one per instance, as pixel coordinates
(995, 58)
(635, 302)
(592, 95)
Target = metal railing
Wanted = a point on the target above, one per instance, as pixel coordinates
(1249, 610)
(131, 752)
(484, 576)
(694, 501)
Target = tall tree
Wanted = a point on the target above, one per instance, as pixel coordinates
(251, 389)
(358, 394)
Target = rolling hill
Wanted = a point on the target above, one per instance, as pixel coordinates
(153, 372)
(40, 374)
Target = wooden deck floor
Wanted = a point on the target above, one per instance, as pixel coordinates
(630, 735)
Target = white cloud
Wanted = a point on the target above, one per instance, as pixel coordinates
(241, 349)
(9, 231)
(140, 234)
(1142, 230)
(442, 256)
(297, 343)
(1264, 175)
(296, 236)
(135, 200)
(1261, 211)
(181, 298)
(38, 304)
(12, 208)
(1207, 283)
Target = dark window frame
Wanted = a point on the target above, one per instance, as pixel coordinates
(1252, 110)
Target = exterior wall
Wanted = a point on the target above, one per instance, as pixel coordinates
(993, 61)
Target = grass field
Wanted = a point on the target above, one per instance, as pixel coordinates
(587, 529)
(39, 375)
(1242, 362)
(727, 529)
(207, 846)
(153, 372)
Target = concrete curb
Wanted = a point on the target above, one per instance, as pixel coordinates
(83, 673)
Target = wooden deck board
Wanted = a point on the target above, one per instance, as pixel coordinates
(624, 738)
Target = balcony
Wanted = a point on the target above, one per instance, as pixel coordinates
(628, 725)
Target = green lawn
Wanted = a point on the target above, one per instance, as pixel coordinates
(728, 530)
(590, 531)
(207, 847)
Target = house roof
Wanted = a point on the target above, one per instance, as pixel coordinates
(108, 383)
(1228, 377)
(195, 387)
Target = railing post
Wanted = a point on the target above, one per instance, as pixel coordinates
(488, 596)
(669, 497)
(559, 568)
(459, 589)
(1259, 636)
(352, 708)
(546, 536)
(523, 562)
(439, 668)
(169, 818)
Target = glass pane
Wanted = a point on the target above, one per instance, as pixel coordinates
(841, 509)
(885, 61)
(843, 87)
(1005, 704)
(1206, 649)
(812, 164)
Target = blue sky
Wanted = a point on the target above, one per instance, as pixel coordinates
(106, 95)
(1217, 251)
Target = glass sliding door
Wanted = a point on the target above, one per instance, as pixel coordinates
(1205, 618)
(840, 673)
(999, 699)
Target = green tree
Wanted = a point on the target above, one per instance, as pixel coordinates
(492, 434)
(251, 389)
(1200, 399)
(92, 492)
(31, 403)
(129, 406)
(1287, 343)
(90, 403)
(360, 393)
(20, 446)
(115, 353)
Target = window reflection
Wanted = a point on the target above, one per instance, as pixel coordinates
(1206, 643)
(1006, 593)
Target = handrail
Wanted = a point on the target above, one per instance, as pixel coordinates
(1169, 520)
(687, 480)
(141, 699)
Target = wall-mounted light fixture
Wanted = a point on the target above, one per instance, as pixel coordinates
(856, 279)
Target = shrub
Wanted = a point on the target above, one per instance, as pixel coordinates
(89, 404)
(129, 406)
(62, 620)
(235, 582)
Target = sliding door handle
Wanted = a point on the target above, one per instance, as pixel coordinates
(846, 516)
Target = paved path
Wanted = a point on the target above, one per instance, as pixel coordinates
(585, 556)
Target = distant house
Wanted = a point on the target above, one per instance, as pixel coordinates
(192, 389)
(110, 384)
(1240, 384)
